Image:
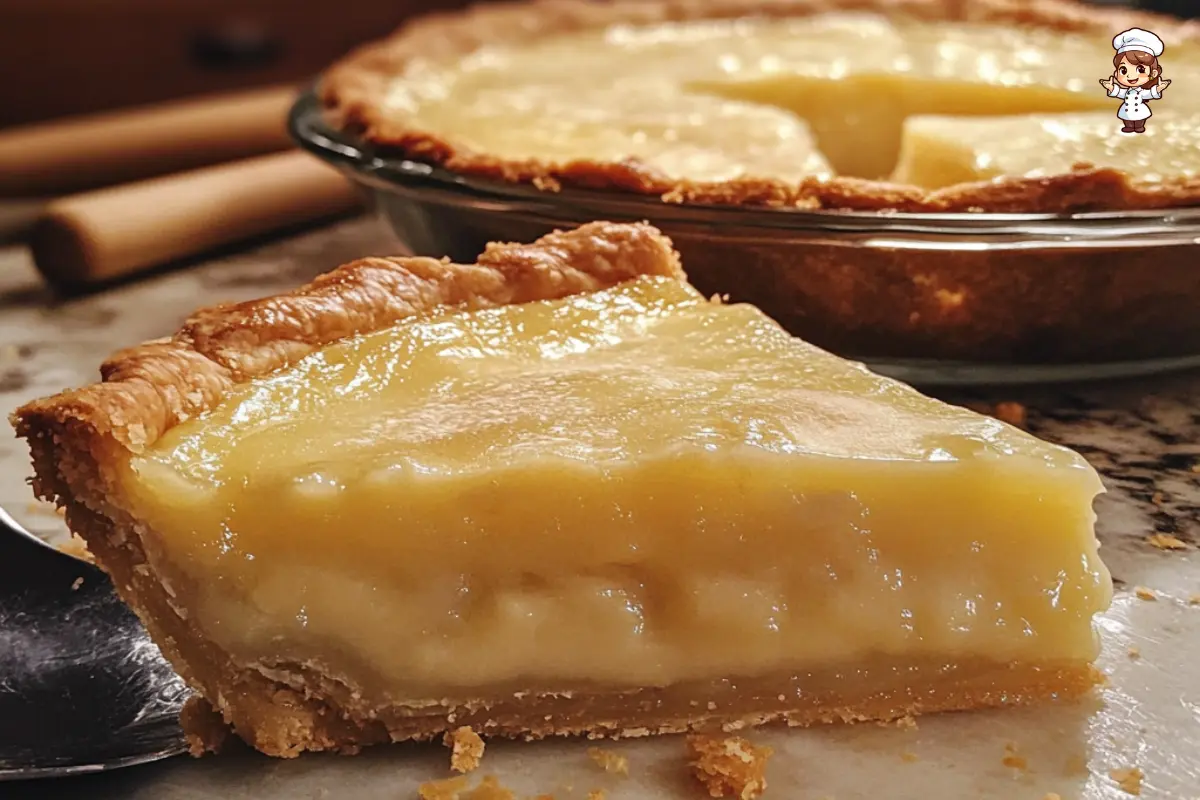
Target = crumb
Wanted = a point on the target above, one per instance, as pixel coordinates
(204, 730)
(489, 789)
(75, 584)
(910, 758)
(1052, 796)
(1012, 758)
(1194, 599)
(447, 789)
(1145, 594)
(76, 548)
(1196, 467)
(1012, 413)
(1129, 779)
(728, 767)
(596, 794)
(466, 749)
(1166, 541)
(611, 762)
(1135, 652)
(1157, 498)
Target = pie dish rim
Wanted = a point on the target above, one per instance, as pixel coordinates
(352, 91)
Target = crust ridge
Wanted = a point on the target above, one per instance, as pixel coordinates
(352, 90)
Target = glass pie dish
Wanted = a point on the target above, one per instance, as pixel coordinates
(932, 299)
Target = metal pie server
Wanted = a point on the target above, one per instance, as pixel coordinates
(82, 687)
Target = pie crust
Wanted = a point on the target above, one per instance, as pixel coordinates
(354, 90)
(78, 438)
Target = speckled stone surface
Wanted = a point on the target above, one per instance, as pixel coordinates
(1143, 437)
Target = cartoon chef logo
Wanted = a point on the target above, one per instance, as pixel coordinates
(1137, 77)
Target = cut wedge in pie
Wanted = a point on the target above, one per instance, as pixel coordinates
(790, 102)
(560, 492)
(939, 151)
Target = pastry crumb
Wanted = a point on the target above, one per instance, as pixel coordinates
(729, 767)
(1157, 498)
(1014, 759)
(1135, 652)
(75, 584)
(1052, 796)
(910, 758)
(611, 762)
(447, 789)
(1129, 779)
(204, 730)
(466, 749)
(76, 548)
(1145, 594)
(1194, 599)
(454, 788)
(1166, 541)
(596, 794)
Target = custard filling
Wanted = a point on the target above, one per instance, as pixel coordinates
(781, 98)
(940, 151)
(636, 487)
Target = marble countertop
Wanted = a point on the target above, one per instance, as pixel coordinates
(1143, 437)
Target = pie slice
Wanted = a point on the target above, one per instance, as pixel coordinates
(559, 492)
(941, 151)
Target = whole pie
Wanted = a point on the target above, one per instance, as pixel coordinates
(558, 491)
(917, 105)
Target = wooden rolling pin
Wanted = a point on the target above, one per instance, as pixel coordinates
(105, 149)
(107, 234)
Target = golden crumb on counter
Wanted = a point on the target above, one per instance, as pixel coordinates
(76, 548)
(466, 749)
(1166, 541)
(1135, 652)
(1052, 796)
(1194, 599)
(910, 758)
(1012, 758)
(456, 789)
(1157, 498)
(1128, 778)
(448, 789)
(489, 789)
(1145, 594)
(614, 763)
(729, 767)
(596, 794)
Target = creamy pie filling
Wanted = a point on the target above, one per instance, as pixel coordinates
(940, 151)
(781, 98)
(637, 487)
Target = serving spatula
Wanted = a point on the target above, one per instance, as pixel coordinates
(82, 687)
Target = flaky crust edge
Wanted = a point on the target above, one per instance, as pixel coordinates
(353, 91)
(78, 436)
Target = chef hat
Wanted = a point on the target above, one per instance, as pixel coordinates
(1138, 39)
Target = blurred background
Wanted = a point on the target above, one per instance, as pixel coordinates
(63, 57)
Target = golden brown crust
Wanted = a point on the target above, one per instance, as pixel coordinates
(352, 91)
(728, 767)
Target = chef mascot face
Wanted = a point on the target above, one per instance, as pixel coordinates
(1137, 77)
